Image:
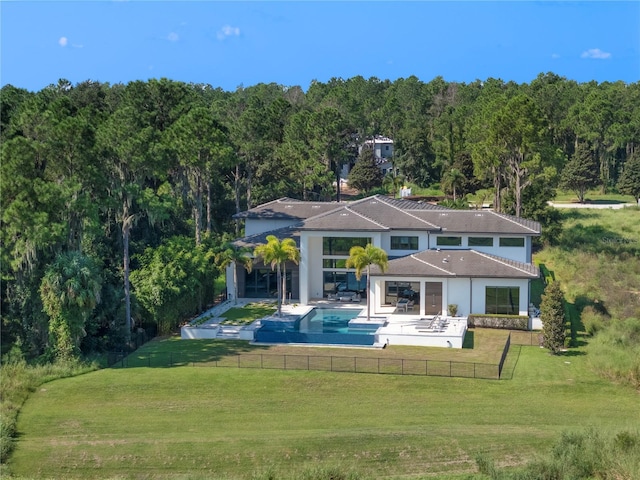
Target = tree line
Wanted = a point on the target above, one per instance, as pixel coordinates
(118, 199)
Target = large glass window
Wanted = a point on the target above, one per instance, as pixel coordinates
(449, 241)
(334, 263)
(342, 245)
(338, 282)
(404, 243)
(481, 241)
(511, 242)
(395, 291)
(502, 300)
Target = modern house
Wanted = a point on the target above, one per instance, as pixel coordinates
(478, 260)
(382, 150)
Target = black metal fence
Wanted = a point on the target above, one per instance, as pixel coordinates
(526, 338)
(375, 365)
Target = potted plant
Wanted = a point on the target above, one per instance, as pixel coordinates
(453, 309)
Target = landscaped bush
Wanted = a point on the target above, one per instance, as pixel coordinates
(509, 322)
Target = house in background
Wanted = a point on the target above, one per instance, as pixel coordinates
(382, 150)
(478, 260)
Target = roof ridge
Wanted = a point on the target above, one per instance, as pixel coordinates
(367, 218)
(347, 206)
(389, 204)
(510, 218)
(505, 261)
(431, 265)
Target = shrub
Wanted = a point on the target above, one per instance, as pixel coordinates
(553, 318)
(509, 322)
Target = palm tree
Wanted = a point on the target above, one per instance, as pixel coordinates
(362, 258)
(70, 290)
(452, 180)
(393, 183)
(232, 255)
(277, 253)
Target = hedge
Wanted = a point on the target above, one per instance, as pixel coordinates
(509, 322)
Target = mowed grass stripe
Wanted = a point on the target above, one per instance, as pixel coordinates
(231, 423)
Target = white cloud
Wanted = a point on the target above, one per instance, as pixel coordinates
(63, 41)
(173, 37)
(596, 53)
(555, 55)
(228, 31)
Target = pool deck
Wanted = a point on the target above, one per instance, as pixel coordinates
(395, 328)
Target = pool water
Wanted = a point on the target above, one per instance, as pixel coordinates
(320, 326)
(328, 320)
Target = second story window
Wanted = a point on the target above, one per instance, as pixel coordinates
(480, 241)
(404, 243)
(449, 241)
(511, 242)
(342, 245)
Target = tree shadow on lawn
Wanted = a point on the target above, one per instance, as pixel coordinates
(174, 352)
(469, 339)
(572, 353)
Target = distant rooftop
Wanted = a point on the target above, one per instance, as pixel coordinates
(378, 139)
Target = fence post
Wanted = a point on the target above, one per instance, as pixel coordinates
(449, 367)
(474, 369)
(402, 367)
(307, 362)
(261, 362)
(285, 362)
(378, 365)
(331, 357)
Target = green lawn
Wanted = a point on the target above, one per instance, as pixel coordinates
(200, 422)
(247, 314)
(196, 421)
(593, 196)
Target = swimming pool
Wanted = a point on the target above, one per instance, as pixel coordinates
(328, 326)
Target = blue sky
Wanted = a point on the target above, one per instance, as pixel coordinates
(228, 44)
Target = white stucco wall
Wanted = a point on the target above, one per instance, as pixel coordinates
(458, 291)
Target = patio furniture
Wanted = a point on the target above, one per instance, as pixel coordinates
(402, 304)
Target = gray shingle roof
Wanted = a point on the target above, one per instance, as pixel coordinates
(253, 241)
(288, 208)
(457, 263)
(375, 213)
(381, 213)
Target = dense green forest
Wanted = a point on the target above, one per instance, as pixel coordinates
(117, 198)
